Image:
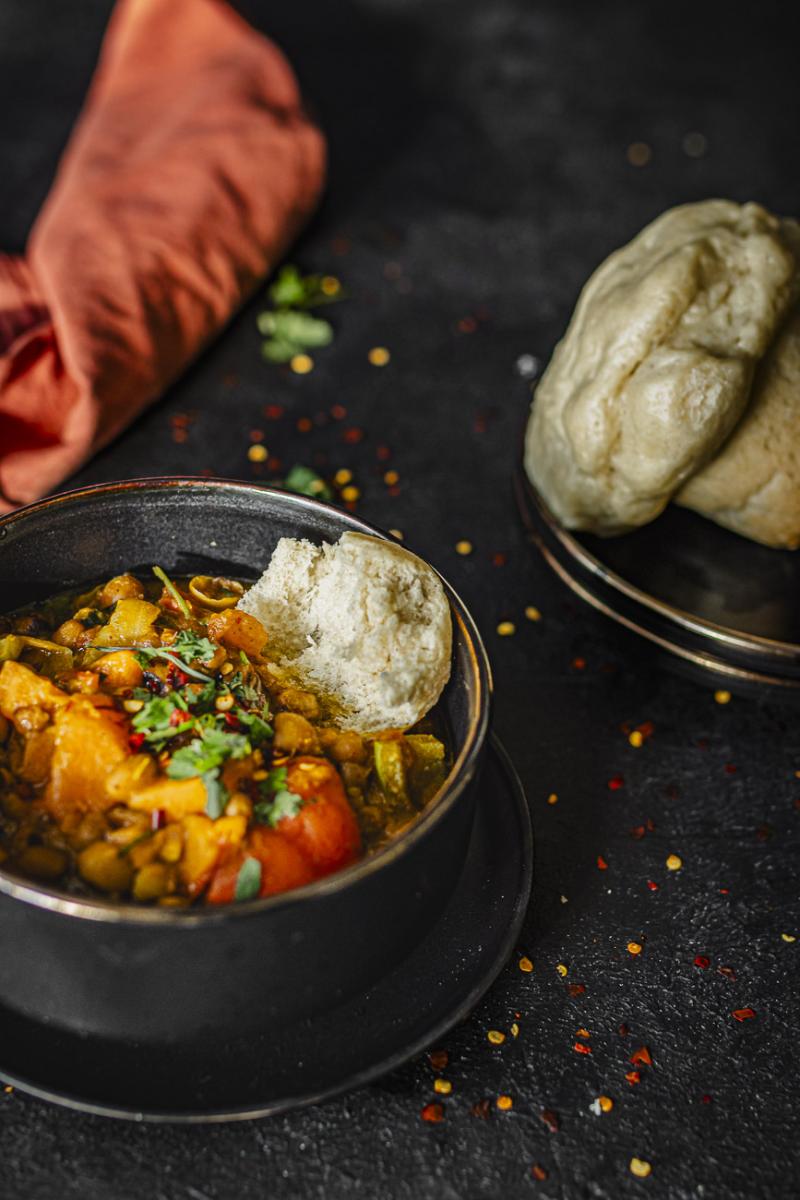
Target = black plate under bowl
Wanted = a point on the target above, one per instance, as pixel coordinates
(435, 988)
(717, 602)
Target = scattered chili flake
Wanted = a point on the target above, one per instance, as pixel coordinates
(575, 989)
(623, 1030)
(463, 547)
(301, 364)
(304, 424)
(525, 965)
(606, 1103)
(481, 1108)
(552, 798)
(351, 493)
(498, 559)
(338, 412)
(635, 738)
(602, 865)
(651, 883)
(646, 729)
(551, 1119)
(438, 1059)
(638, 1166)
(634, 948)
(788, 937)
(674, 862)
(705, 1098)
(342, 477)
(467, 325)
(353, 435)
(515, 1029)
(391, 478)
(582, 1033)
(722, 697)
(731, 768)
(433, 1113)
(443, 1086)
(724, 891)
(258, 453)
(496, 1037)
(273, 411)
(383, 453)
(728, 972)
(256, 435)
(579, 664)
(538, 1172)
(581, 1048)
(702, 961)
(532, 613)
(615, 783)
(562, 969)
(743, 1014)
(764, 832)
(633, 1077)
(504, 1103)
(506, 629)
(379, 356)
(641, 1056)
(136, 741)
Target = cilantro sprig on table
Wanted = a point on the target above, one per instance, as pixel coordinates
(288, 327)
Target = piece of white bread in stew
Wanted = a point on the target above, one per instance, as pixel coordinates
(362, 622)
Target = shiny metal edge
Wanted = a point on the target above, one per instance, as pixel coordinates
(461, 773)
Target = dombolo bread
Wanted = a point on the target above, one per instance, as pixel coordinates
(657, 365)
(362, 621)
(753, 484)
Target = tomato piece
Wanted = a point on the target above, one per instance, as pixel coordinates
(325, 828)
(283, 867)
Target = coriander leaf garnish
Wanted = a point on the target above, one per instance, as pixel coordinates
(248, 881)
(278, 802)
(193, 648)
(161, 574)
(204, 756)
(256, 726)
(288, 327)
(216, 794)
(306, 482)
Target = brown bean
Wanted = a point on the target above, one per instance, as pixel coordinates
(68, 633)
(121, 587)
(42, 862)
(296, 700)
(294, 734)
(348, 747)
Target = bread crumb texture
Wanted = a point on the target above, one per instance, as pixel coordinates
(363, 621)
(679, 374)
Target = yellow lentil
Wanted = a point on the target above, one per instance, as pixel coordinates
(504, 1103)
(351, 492)
(443, 1086)
(329, 285)
(391, 478)
(562, 969)
(258, 453)
(722, 697)
(506, 628)
(342, 476)
(635, 739)
(634, 948)
(525, 965)
(674, 862)
(606, 1103)
(379, 356)
(515, 1029)
(552, 798)
(789, 937)
(463, 547)
(532, 613)
(640, 1168)
(496, 1037)
(301, 364)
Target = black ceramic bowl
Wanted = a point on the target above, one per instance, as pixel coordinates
(164, 975)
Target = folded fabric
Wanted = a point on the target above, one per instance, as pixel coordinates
(189, 172)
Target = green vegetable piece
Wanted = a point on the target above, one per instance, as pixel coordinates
(278, 350)
(161, 574)
(288, 289)
(248, 881)
(390, 769)
(300, 328)
(428, 769)
(306, 482)
(11, 646)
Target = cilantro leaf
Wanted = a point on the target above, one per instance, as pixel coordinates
(278, 802)
(216, 794)
(248, 881)
(257, 728)
(207, 752)
(287, 289)
(192, 648)
(306, 482)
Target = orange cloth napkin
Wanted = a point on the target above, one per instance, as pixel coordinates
(189, 172)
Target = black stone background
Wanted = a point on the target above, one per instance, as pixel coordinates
(481, 145)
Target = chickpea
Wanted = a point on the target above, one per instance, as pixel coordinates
(43, 862)
(120, 669)
(143, 852)
(239, 805)
(238, 631)
(327, 736)
(348, 747)
(151, 883)
(121, 587)
(68, 633)
(294, 734)
(101, 865)
(31, 720)
(298, 701)
(171, 844)
(91, 826)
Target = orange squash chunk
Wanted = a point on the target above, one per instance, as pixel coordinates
(20, 687)
(88, 745)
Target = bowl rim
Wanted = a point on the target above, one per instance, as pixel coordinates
(461, 773)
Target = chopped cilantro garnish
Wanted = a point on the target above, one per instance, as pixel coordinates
(278, 802)
(248, 881)
(306, 482)
(257, 728)
(204, 756)
(192, 648)
(288, 327)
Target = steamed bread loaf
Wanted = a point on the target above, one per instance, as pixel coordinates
(657, 367)
(363, 621)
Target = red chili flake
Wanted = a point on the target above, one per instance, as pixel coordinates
(498, 559)
(538, 1172)
(702, 960)
(256, 435)
(575, 989)
(467, 325)
(273, 412)
(383, 454)
(136, 741)
(432, 1112)
(338, 412)
(551, 1119)
(728, 972)
(633, 1077)
(176, 717)
(705, 1098)
(481, 1108)
(623, 1030)
(180, 436)
(764, 832)
(642, 1055)
(602, 865)
(651, 883)
(731, 768)
(743, 1014)
(638, 832)
(579, 664)
(353, 435)
(582, 1048)
(274, 464)
(796, 803)
(650, 825)
(394, 491)
(158, 818)
(232, 720)
(724, 891)
(616, 782)
(304, 424)
(438, 1059)
(646, 729)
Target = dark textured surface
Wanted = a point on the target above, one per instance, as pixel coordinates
(482, 147)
